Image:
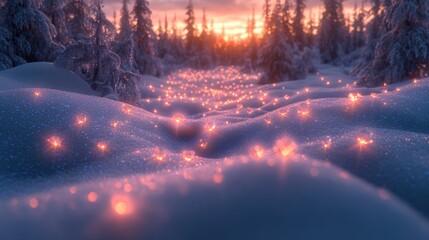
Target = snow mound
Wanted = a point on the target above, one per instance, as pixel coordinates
(43, 75)
(238, 198)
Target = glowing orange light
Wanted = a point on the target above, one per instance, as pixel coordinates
(363, 142)
(55, 142)
(126, 109)
(268, 120)
(159, 154)
(218, 178)
(72, 190)
(81, 120)
(354, 97)
(33, 202)
(285, 147)
(210, 127)
(114, 124)
(178, 118)
(121, 205)
(37, 93)
(203, 144)
(102, 146)
(92, 197)
(188, 155)
(327, 144)
(257, 152)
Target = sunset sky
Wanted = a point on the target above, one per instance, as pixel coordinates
(232, 14)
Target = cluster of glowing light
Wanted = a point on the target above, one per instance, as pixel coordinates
(160, 154)
(327, 144)
(364, 142)
(285, 147)
(81, 120)
(126, 109)
(114, 124)
(178, 118)
(33, 202)
(122, 205)
(210, 127)
(188, 155)
(203, 144)
(268, 120)
(102, 147)
(283, 113)
(37, 93)
(354, 97)
(257, 152)
(304, 113)
(92, 197)
(55, 142)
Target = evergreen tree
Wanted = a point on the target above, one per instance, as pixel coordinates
(80, 25)
(267, 18)
(358, 32)
(275, 55)
(310, 39)
(252, 52)
(374, 30)
(403, 51)
(124, 44)
(332, 31)
(287, 29)
(26, 34)
(190, 28)
(145, 60)
(53, 9)
(94, 62)
(298, 23)
(203, 59)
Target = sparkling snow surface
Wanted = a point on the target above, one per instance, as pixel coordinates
(213, 155)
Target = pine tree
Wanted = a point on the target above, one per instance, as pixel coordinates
(374, 30)
(332, 31)
(267, 18)
(252, 52)
(124, 43)
(287, 29)
(403, 51)
(358, 32)
(203, 59)
(26, 34)
(94, 62)
(143, 35)
(80, 25)
(275, 55)
(53, 9)
(190, 28)
(298, 25)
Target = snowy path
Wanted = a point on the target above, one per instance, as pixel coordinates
(213, 155)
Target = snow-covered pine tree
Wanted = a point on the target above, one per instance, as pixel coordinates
(204, 56)
(358, 32)
(124, 43)
(310, 38)
(403, 51)
(190, 29)
(80, 25)
(145, 60)
(94, 62)
(266, 18)
(26, 34)
(252, 50)
(53, 9)
(332, 31)
(375, 28)
(275, 57)
(298, 24)
(287, 19)
(177, 51)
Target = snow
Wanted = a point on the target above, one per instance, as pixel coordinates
(213, 155)
(43, 75)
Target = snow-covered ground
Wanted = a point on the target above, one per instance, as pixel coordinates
(213, 155)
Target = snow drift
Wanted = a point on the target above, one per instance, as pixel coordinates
(301, 160)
